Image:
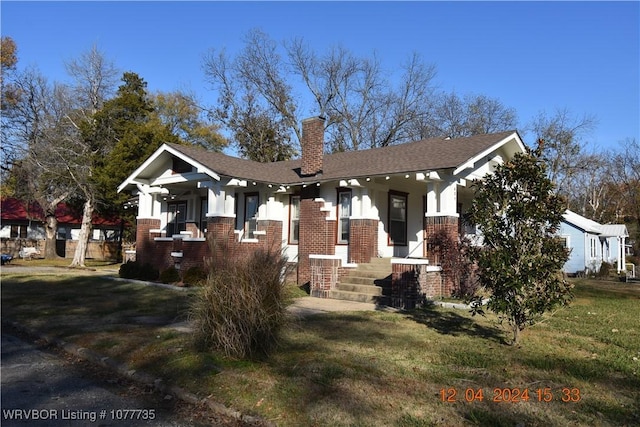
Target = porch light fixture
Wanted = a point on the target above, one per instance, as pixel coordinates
(406, 176)
(368, 179)
(387, 177)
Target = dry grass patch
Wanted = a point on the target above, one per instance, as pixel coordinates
(368, 368)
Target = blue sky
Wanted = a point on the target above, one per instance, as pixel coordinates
(532, 56)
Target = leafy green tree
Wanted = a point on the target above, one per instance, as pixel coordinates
(123, 133)
(186, 119)
(519, 212)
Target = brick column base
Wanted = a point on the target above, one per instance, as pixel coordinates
(413, 282)
(363, 240)
(434, 224)
(325, 271)
(144, 240)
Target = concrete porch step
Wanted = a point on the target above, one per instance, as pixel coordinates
(364, 283)
(367, 280)
(361, 288)
(353, 296)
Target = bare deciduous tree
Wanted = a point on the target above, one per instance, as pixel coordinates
(36, 129)
(564, 135)
(252, 87)
(454, 116)
(94, 80)
(362, 107)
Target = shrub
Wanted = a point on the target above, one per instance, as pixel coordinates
(453, 256)
(129, 270)
(148, 272)
(194, 276)
(135, 270)
(170, 275)
(605, 270)
(240, 309)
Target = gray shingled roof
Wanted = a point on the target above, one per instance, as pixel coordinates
(419, 156)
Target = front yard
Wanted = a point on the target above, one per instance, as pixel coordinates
(581, 366)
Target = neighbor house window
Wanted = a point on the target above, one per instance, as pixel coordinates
(344, 212)
(18, 231)
(397, 218)
(176, 218)
(294, 219)
(251, 201)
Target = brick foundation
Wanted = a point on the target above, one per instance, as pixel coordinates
(197, 252)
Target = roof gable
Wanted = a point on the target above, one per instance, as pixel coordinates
(581, 222)
(593, 227)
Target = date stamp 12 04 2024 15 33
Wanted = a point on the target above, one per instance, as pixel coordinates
(511, 395)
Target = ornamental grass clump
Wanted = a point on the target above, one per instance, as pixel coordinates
(240, 309)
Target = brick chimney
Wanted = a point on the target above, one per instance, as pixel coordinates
(312, 146)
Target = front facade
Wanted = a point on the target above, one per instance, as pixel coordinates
(591, 244)
(345, 207)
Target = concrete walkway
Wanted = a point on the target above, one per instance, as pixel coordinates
(306, 306)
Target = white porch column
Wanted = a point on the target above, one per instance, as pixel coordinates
(272, 209)
(366, 205)
(449, 198)
(622, 260)
(147, 203)
(216, 199)
(433, 199)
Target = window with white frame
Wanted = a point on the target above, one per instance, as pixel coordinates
(344, 212)
(251, 203)
(294, 219)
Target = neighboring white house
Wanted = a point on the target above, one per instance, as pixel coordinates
(592, 243)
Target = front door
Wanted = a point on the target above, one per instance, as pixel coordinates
(176, 218)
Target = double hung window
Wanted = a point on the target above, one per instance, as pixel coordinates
(251, 203)
(294, 220)
(344, 212)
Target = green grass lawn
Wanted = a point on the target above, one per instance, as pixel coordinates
(580, 366)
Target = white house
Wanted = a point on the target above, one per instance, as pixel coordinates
(345, 208)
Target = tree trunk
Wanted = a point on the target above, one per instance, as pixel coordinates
(85, 234)
(50, 230)
(516, 334)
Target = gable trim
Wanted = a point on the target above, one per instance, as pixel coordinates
(200, 168)
(471, 162)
